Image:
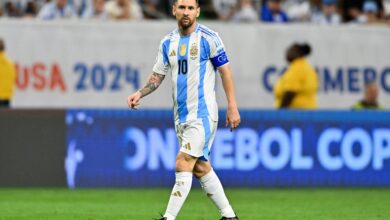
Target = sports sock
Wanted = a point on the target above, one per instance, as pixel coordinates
(179, 194)
(214, 190)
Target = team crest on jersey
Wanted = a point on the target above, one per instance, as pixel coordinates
(183, 49)
(194, 51)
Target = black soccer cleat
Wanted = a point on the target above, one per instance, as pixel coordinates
(231, 218)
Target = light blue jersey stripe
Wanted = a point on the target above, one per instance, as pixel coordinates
(211, 34)
(165, 49)
(204, 52)
(207, 134)
(182, 79)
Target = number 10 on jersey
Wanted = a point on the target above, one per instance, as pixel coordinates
(183, 67)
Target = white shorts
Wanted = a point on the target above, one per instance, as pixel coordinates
(196, 137)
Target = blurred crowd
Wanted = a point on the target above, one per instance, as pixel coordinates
(269, 11)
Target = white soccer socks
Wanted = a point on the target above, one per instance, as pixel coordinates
(179, 194)
(214, 190)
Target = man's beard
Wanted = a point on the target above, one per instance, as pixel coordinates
(185, 26)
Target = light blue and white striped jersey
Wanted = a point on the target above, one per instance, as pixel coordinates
(193, 61)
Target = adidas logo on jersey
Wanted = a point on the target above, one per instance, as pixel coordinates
(172, 54)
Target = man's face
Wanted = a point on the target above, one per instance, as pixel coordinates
(329, 9)
(292, 53)
(371, 93)
(186, 12)
(99, 5)
(275, 5)
(122, 2)
(61, 3)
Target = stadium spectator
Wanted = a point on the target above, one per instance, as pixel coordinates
(370, 13)
(352, 9)
(297, 87)
(151, 9)
(57, 10)
(299, 10)
(208, 11)
(381, 14)
(96, 11)
(165, 6)
(80, 6)
(386, 8)
(7, 77)
(272, 11)
(225, 8)
(10, 10)
(31, 9)
(245, 12)
(124, 10)
(370, 99)
(328, 13)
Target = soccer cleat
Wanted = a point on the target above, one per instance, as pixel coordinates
(231, 218)
(161, 218)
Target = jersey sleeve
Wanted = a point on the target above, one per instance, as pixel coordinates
(218, 55)
(162, 65)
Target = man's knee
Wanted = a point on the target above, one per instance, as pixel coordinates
(185, 163)
(201, 169)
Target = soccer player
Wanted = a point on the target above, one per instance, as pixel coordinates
(192, 54)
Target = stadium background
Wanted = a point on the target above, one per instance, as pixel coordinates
(69, 126)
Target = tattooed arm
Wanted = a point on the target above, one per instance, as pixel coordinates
(153, 83)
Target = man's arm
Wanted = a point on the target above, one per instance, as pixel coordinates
(287, 99)
(232, 115)
(152, 84)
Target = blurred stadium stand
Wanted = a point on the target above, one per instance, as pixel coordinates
(352, 11)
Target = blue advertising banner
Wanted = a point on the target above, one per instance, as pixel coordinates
(123, 148)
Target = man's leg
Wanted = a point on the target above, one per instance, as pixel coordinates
(213, 188)
(184, 165)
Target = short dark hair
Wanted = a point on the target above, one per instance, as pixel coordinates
(197, 2)
(297, 50)
(369, 83)
(304, 49)
(2, 45)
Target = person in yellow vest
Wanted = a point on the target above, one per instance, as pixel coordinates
(7, 77)
(370, 99)
(297, 87)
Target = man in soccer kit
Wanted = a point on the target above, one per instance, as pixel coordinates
(192, 54)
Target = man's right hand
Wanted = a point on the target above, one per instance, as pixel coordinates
(133, 100)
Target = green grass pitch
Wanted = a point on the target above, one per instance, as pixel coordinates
(140, 204)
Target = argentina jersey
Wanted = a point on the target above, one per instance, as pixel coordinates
(192, 61)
